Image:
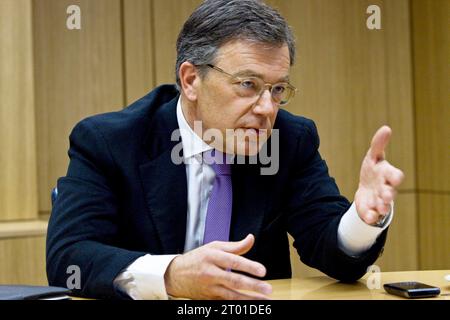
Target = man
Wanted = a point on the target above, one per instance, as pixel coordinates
(140, 224)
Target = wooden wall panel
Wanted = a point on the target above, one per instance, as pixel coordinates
(138, 48)
(78, 73)
(434, 226)
(22, 261)
(399, 96)
(401, 249)
(352, 80)
(431, 37)
(169, 17)
(30, 228)
(18, 185)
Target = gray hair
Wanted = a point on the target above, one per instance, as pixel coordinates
(216, 22)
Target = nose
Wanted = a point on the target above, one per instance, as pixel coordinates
(264, 105)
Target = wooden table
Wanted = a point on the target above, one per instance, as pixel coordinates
(318, 288)
(325, 288)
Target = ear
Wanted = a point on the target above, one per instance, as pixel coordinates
(189, 80)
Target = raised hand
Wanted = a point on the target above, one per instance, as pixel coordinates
(378, 180)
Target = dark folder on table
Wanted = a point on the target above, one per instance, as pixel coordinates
(23, 292)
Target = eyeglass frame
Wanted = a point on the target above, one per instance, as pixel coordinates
(264, 88)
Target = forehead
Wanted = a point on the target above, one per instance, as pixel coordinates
(272, 62)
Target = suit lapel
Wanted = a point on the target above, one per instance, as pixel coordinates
(164, 182)
(166, 194)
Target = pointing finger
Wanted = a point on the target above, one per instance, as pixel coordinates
(379, 142)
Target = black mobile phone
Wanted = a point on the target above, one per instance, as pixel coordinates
(412, 289)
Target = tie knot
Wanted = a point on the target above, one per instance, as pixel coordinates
(218, 161)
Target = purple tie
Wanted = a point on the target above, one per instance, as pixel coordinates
(218, 215)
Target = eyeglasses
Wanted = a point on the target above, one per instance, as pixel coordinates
(252, 87)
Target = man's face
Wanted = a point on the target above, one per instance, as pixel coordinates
(219, 106)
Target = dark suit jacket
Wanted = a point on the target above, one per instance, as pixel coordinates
(123, 197)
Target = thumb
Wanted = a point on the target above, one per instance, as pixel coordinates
(239, 247)
(379, 142)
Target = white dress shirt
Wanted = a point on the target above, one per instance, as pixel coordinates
(144, 278)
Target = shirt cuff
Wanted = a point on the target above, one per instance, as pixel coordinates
(144, 278)
(355, 236)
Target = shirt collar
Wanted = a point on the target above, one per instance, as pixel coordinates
(192, 143)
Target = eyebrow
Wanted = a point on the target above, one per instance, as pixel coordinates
(251, 73)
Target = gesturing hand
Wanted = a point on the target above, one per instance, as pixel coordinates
(378, 180)
(202, 273)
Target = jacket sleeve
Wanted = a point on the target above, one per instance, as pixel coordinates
(83, 228)
(315, 208)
